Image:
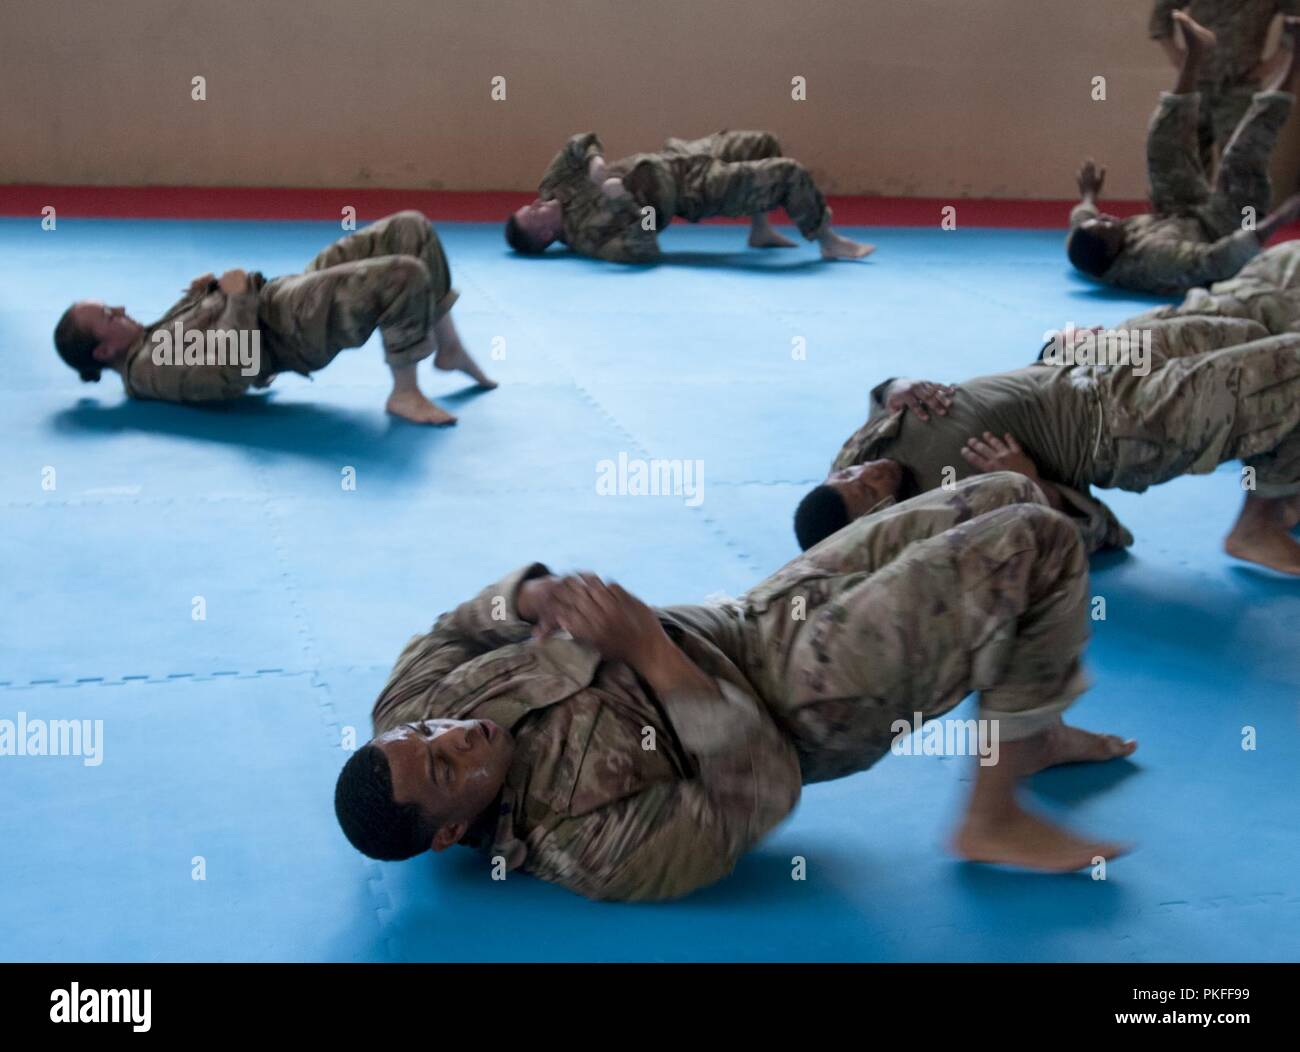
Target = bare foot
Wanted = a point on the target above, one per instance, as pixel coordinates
(1277, 550)
(1196, 36)
(452, 356)
(1064, 744)
(1016, 838)
(836, 246)
(413, 406)
(762, 235)
(1262, 534)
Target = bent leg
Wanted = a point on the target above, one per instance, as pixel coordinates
(1243, 178)
(745, 146)
(1224, 111)
(728, 146)
(402, 234)
(873, 541)
(1178, 182)
(1198, 412)
(995, 605)
(316, 314)
(747, 188)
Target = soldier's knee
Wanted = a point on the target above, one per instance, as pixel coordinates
(408, 272)
(411, 217)
(1054, 540)
(769, 144)
(1054, 535)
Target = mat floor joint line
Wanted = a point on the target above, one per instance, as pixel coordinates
(153, 678)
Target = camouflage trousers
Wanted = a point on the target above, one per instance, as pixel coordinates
(1179, 184)
(392, 276)
(1223, 105)
(1205, 405)
(742, 173)
(906, 611)
(1266, 290)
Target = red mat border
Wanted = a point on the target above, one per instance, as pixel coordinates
(197, 202)
(443, 206)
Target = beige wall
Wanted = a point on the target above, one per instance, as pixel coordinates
(905, 97)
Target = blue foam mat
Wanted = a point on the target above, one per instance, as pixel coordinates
(222, 736)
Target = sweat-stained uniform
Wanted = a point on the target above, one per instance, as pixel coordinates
(391, 276)
(1227, 81)
(1266, 290)
(1195, 233)
(735, 173)
(1219, 389)
(616, 793)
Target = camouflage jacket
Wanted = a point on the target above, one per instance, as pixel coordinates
(1267, 291)
(1169, 254)
(595, 224)
(148, 374)
(612, 792)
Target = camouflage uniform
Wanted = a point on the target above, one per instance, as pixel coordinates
(907, 612)
(1227, 83)
(732, 173)
(1266, 290)
(391, 275)
(1194, 234)
(1219, 389)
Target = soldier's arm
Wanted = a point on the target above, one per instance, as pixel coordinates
(490, 620)
(862, 445)
(1091, 179)
(214, 311)
(678, 836)
(632, 245)
(1200, 264)
(572, 161)
(923, 397)
(989, 453)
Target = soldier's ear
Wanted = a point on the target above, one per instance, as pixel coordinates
(102, 353)
(447, 835)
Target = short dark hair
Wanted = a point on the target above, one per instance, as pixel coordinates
(819, 514)
(1089, 251)
(374, 823)
(77, 347)
(522, 240)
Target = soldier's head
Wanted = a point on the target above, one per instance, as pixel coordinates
(1095, 245)
(532, 228)
(847, 494)
(421, 786)
(92, 335)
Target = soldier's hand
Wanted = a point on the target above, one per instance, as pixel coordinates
(921, 396)
(619, 625)
(200, 284)
(233, 282)
(1091, 179)
(534, 602)
(991, 453)
(613, 187)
